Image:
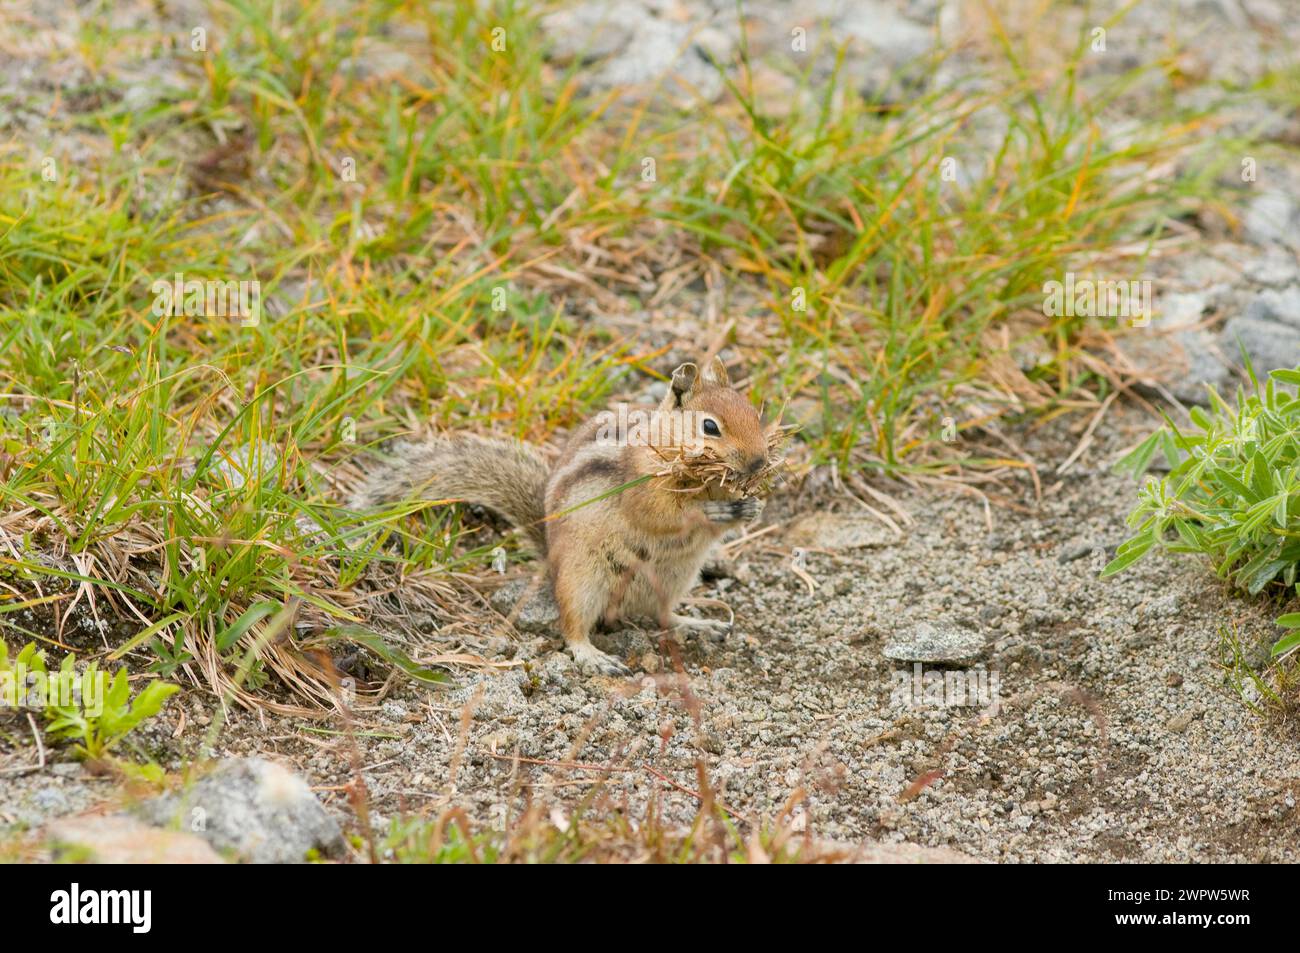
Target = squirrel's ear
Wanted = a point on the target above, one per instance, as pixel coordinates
(683, 381)
(716, 373)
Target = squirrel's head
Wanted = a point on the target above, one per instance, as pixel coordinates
(721, 420)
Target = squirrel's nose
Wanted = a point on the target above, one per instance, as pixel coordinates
(755, 465)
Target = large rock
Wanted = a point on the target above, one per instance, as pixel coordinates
(119, 839)
(1273, 217)
(629, 46)
(252, 809)
(1271, 265)
(1189, 358)
(887, 57)
(1183, 362)
(1278, 305)
(1182, 309)
(1176, 354)
(590, 32)
(879, 26)
(633, 44)
(1270, 344)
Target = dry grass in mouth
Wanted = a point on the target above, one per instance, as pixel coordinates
(696, 471)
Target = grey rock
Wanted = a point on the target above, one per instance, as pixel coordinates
(1281, 305)
(1266, 11)
(1103, 551)
(1273, 266)
(256, 810)
(592, 31)
(634, 47)
(538, 614)
(295, 294)
(1258, 653)
(1271, 345)
(715, 45)
(1184, 362)
(1180, 310)
(1273, 217)
(1229, 11)
(1140, 640)
(39, 806)
(661, 49)
(880, 26)
(925, 642)
(1206, 365)
(375, 57)
(1179, 356)
(121, 839)
(889, 58)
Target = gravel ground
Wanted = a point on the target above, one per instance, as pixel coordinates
(1110, 734)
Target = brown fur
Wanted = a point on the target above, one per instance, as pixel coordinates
(503, 475)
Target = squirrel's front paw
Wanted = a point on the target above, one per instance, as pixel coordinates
(733, 511)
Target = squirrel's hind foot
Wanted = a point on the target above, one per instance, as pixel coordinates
(591, 659)
(708, 625)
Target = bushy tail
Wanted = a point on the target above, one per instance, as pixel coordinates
(503, 475)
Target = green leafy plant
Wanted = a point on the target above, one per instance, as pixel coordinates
(99, 713)
(13, 690)
(121, 714)
(1232, 492)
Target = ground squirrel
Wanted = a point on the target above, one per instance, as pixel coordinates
(623, 533)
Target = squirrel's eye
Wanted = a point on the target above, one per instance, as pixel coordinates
(710, 428)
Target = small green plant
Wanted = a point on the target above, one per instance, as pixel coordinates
(1253, 688)
(1232, 492)
(27, 660)
(97, 734)
(423, 841)
(87, 708)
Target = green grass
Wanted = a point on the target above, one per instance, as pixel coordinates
(479, 174)
(534, 838)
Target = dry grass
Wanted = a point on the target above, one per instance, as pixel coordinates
(702, 470)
